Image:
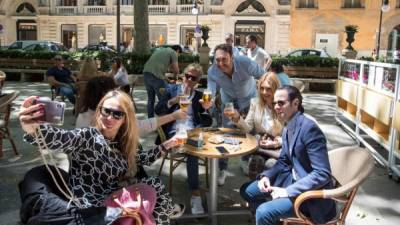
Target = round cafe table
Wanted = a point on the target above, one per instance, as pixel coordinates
(248, 145)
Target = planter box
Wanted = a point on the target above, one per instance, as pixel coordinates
(311, 72)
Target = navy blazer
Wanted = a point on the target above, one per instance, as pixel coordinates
(200, 116)
(310, 161)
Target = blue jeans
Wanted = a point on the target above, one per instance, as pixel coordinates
(153, 85)
(192, 169)
(268, 212)
(67, 92)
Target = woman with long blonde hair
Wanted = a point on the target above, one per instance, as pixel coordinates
(103, 155)
(261, 118)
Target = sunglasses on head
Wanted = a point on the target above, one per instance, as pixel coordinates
(116, 114)
(280, 103)
(191, 77)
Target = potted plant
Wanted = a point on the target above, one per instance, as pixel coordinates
(350, 31)
(205, 29)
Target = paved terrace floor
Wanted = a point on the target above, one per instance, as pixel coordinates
(377, 201)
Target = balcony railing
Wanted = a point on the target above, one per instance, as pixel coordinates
(187, 9)
(67, 10)
(95, 10)
(158, 9)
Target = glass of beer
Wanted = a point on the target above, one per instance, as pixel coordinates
(181, 136)
(184, 102)
(207, 96)
(229, 110)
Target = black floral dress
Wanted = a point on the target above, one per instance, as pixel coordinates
(97, 164)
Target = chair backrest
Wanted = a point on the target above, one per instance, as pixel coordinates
(299, 85)
(350, 166)
(6, 100)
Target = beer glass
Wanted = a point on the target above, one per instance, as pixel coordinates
(184, 102)
(206, 96)
(229, 110)
(181, 136)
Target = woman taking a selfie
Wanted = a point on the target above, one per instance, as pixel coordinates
(102, 155)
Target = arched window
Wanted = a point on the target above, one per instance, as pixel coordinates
(394, 39)
(26, 6)
(255, 4)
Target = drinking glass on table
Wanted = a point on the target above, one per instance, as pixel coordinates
(181, 137)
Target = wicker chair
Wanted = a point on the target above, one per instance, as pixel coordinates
(175, 159)
(5, 112)
(350, 167)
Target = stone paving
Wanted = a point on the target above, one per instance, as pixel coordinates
(377, 201)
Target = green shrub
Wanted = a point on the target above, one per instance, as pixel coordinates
(311, 61)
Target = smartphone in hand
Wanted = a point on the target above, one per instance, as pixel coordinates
(53, 111)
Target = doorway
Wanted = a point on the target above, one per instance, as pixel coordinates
(26, 30)
(244, 28)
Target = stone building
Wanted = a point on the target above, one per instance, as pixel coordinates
(77, 23)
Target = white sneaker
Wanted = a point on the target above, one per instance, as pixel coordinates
(244, 165)
(221, 177)
(196, 205)
(178, 211)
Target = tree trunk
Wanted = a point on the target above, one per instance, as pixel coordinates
(141, 21)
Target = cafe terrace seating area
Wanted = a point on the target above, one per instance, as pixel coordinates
(374, 203)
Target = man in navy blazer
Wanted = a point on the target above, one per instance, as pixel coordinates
(302, 166)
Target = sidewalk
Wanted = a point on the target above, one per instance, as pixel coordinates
(377, 201)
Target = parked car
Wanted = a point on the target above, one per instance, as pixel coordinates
(37, 45)
(98, 47)
(46, 46)
(308, 52)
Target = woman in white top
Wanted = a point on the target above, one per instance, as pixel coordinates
(119, 73)
(262, 119)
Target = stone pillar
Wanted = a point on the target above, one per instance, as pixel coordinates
(110, 6)
(53, 7)
(204, 59)
(80, 6)
(172, 6)
(206, 6)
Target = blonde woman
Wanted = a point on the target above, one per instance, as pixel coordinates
(88, 70)
(102, 155)
(262, 119)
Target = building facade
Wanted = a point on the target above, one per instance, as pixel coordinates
(320, 24)
(77, 23)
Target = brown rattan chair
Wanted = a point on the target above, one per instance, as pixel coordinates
(80, 92)
(175, 159)
(5, 113)
(350, 166)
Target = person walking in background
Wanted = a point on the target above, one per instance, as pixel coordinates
(234, 77)
(229, 40)
(160, 62)
(263, 121)
(257, 53)
(62, 79)
(302, 166)
(283, 77)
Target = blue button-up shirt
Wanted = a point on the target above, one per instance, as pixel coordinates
(242, 87)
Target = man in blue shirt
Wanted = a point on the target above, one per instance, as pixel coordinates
(62, 79)
(234, 77)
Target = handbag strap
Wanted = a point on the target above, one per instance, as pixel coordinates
(42, 148)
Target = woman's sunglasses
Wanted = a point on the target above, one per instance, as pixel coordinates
(114, 113)
(191, 77)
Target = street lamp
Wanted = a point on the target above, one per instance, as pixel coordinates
(197, 30)
(384, 8)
